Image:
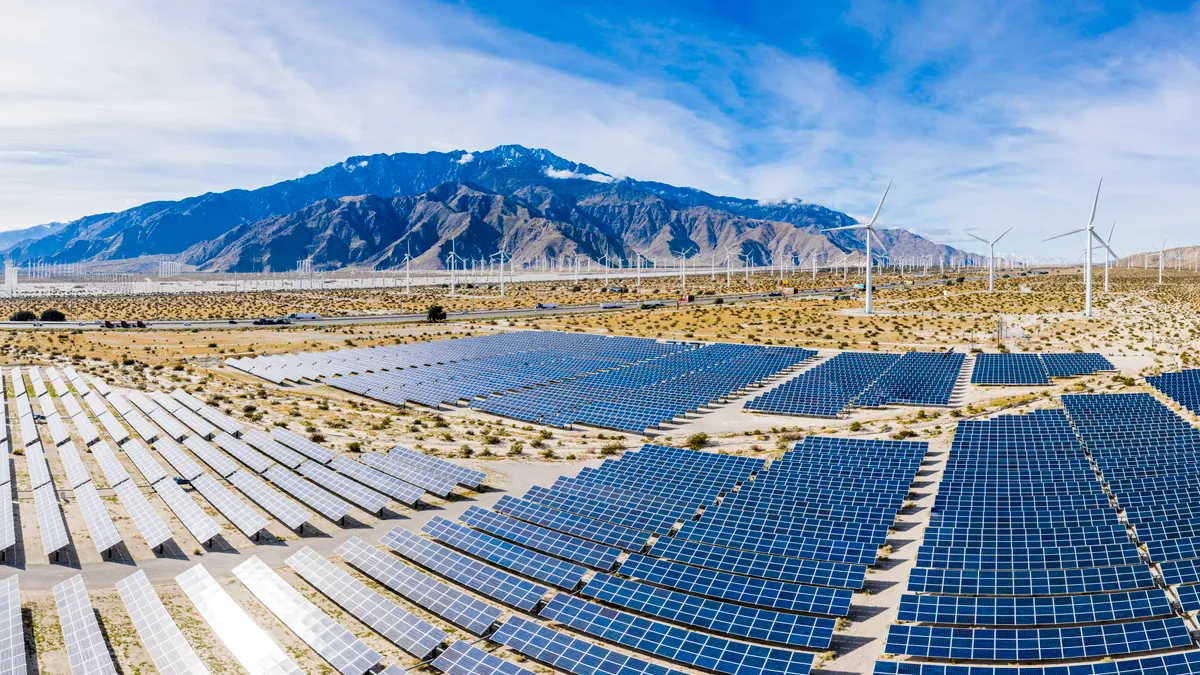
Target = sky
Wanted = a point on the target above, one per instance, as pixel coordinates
(985, 115)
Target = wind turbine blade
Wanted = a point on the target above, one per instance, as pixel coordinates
(1065, 234)
(1110, 232)
(997, 239)
(860, 226)
(1096, 201)
(977, 237)
(877, 208)
(1105, 244)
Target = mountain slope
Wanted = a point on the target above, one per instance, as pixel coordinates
(538, 204)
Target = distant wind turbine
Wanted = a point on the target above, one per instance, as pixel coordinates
(870, 230)
(1091, 236)
(991, 257)
(1107, 256)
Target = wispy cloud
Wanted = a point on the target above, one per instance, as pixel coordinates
(987, 115)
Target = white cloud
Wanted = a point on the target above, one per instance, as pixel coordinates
(467, 158)
(568, 173)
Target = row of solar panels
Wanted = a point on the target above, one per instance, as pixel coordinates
(330, 485)
(399, 358)
(868, 379)
(578, 554)
(1034, 369)
(1025, 559)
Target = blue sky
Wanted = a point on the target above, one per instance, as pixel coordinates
(985, 114)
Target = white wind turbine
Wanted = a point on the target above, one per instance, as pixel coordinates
(728, 270)
(1091, 237)
(991, 257)
(870, 230)
(1107, 256)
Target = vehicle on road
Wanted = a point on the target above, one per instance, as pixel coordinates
(140, 323)
(611, 305)
(303, 315)
(109, 324)
(124, 324)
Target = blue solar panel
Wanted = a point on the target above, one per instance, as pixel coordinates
(824, 391)
(539, 539)
(579, 526)
(1038, 611)
(675, 643)
(746, 590)
(571, 654)
(1038, 644)
(555, 572)
(1184, 663)
(712, 615)
(1030, 582)
(484, 579)
(1011, 369)
(813, 572)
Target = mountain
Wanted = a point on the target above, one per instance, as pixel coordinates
(10, 238)
(373, 210)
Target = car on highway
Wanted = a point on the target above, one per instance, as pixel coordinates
(140, 324)
(109, 324)
(125, 324)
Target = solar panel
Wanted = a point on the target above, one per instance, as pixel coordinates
(463, 659)
(1031, 582)
(149, 467)
(115, 429)
(119, 402)
(86, 650)
(199, 523)
(114, 471)
(178, 459)
(58, 429)
(195, 422)
(29, 432)
(281, 507)
(273, 448)
(12, 632)
(95, 403)
(99, 523)
(749, 563)
(5, 460)
(445, 601)
(142, 426)
(1038, 611)
(555, 572)
(253, 648)
(397, 489)
(164, 641)
(465, 476)
(571, 654)
(191, 402)
(769, 593)
(164, 400)
(87, 430)
(211, 456)
(243, 453)
(438, 485)
(220, 420)
(539, 539)
(337, 645)
(484, 579)
(51, 526)
(675, 643)
(169, 424)
(8, 532)
(1038, 644)
(70, 403)
(357, 493)
(712, 615)
(143, 515)
(569, 523)
(76, 473)
(302, 445)
(101, 386)
(242, 516)
(333, 508)
(1183, 663)
(390, 620)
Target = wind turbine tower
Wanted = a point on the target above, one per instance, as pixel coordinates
(870, 230)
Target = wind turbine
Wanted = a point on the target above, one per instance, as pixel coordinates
(501, 254)
(453, 263)
(991, 258)
(728, 271)
(870, 229)
(1107, 256)
(1091, 236)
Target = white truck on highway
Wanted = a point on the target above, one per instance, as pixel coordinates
(303, 315)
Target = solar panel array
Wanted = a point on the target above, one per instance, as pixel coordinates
(12, 629)
(827, 389)
(1034, 369)
(87, 652)
(164, 641)
(918, 378)
(1147, 455)
(1182, 387)
(1024, 560)
(337, 645)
